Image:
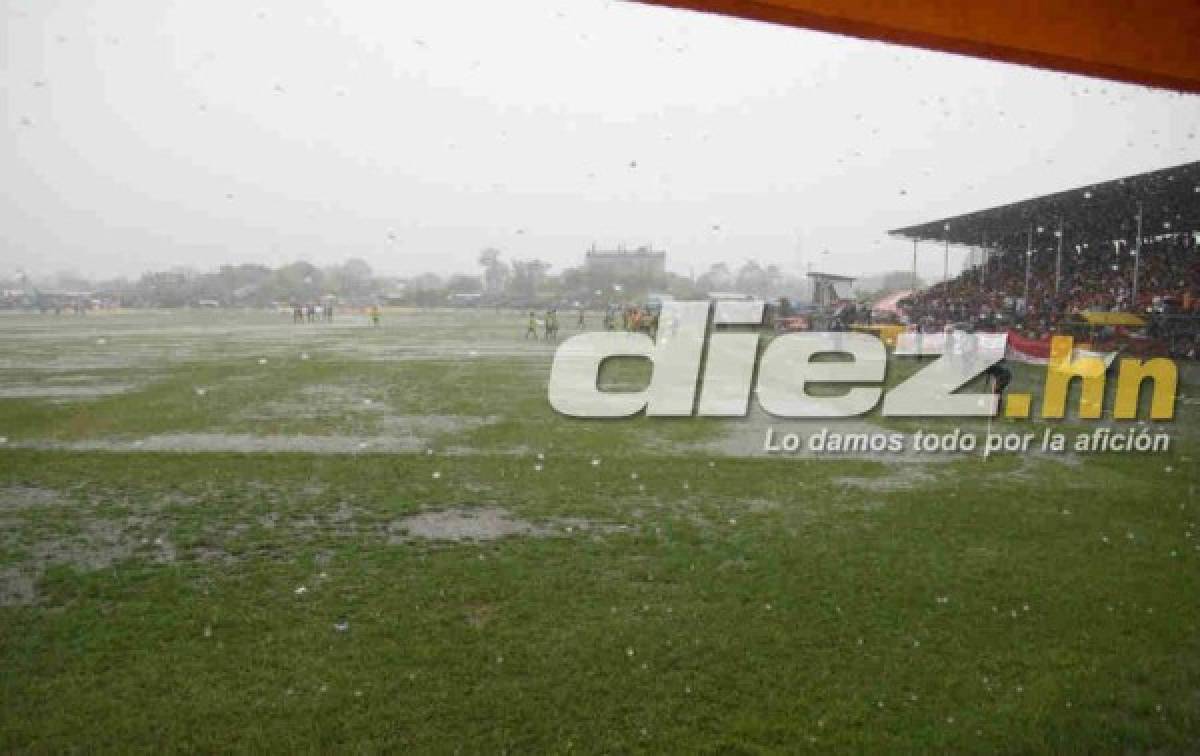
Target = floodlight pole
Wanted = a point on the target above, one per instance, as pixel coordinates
(1137, 259)
(1058, 257)
(946, 260)
(1028, 257)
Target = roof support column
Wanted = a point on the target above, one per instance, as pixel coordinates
(1028, 259)
(1137, 259)
(1058, 257)
(914, 270)
(983, 251)
(946, 260)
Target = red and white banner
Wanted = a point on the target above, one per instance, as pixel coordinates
(1037, 352)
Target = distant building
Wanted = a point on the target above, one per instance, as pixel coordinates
(825, 288)
(642, 264)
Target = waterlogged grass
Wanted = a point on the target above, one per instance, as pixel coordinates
(668, 601)
(769, 603)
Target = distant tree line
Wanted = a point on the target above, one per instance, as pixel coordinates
(519, 282)
(229, 286)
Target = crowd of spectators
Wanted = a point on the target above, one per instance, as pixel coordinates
(1093, 277)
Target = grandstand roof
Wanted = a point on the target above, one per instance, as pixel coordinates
(1108, 210)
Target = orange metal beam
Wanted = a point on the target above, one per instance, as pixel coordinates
(1151, 42)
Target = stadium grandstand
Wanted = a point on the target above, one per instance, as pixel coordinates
(1040, 265)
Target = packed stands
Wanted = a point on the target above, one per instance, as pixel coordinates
(1041, 261)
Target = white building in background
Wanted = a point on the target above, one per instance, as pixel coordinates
(620, 264)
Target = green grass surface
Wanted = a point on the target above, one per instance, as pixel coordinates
(676, 601)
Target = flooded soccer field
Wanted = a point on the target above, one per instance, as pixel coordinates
(223, 530)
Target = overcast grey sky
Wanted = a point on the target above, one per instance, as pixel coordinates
(151, 135)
